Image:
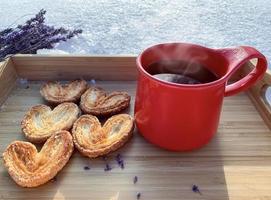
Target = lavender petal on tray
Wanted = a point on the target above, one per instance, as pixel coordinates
(107, 167)
(135, 179)
(120, 161)
(196, 189)
(86, 168)
(138, 195)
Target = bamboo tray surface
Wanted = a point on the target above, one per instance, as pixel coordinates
(236, 164)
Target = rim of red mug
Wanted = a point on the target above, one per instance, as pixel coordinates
(200, 85)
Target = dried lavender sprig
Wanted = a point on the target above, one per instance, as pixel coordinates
(31, 36)
(19, 37)
(29, 24)
(40, 45)
(44, 43)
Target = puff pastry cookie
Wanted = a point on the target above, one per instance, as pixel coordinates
(94, 140)
(56, 93)
(40, 122)
(95, 101)
(30, 168)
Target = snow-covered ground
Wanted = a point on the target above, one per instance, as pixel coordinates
(127, 27)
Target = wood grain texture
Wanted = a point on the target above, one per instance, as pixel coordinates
(257, 94)
(235, 165)
(37, 67)
(8, 78)
(61, 67)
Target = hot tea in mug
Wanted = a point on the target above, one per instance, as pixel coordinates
(182, 72)
(181, 88)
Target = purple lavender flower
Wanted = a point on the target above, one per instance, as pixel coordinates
(32, 36)
(5, 32)
(118, 157)
(121, 164)
(135, 179)
(120, 161)
(107, 167)
(195, 189)
(138, 195)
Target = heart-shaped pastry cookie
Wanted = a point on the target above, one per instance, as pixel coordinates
(40, 122)
(56, 93)
(93, 140)
(30, 168)
(96, 102)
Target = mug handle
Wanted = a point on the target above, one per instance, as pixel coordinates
(238, 56)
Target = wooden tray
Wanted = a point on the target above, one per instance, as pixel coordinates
(236, 164)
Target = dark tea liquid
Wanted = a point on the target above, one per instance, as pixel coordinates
(182, 72)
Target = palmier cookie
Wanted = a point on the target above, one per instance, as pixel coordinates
(57, 93)
(94, 140)
(96, 102)
(40, 122)
(30, 168)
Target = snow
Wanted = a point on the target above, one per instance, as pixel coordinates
(52, 51)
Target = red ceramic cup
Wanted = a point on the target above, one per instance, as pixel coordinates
(183, 117)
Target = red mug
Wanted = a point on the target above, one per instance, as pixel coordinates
(182, 117)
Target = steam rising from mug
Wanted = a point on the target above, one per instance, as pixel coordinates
(181, 71)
